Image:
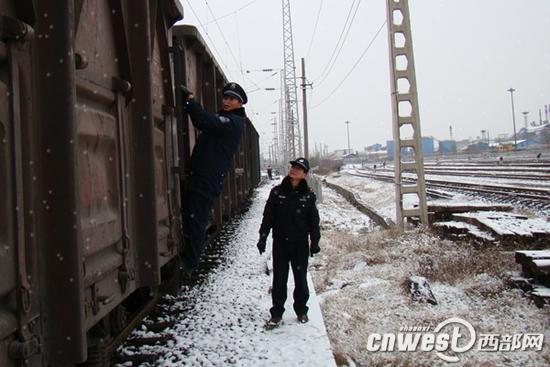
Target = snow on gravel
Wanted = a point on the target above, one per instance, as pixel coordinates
(346, 217)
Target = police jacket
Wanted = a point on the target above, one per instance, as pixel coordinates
(292, 214)
(218, 141)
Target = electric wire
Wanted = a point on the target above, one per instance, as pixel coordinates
(338, 42)
(207, 34)
(223, 35)
(341, 46)
(227, 44)
(354, 65)
(314, 29)
(233, 12)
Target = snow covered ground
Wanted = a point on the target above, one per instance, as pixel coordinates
(360, 278)
(223, 321)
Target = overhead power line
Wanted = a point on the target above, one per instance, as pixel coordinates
(341, 45)
(314, 29)
(354, 65)
(213, 44)
(223, 36)
(207, 35)
(233, 12)
(346, 25)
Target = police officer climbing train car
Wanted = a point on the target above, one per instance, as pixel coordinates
(219, 138)
(292, 214)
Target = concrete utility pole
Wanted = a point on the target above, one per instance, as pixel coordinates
(512, 90)
(347, 127)
(304, 108)
(403, 101)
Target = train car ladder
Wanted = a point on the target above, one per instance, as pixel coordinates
(405, 113)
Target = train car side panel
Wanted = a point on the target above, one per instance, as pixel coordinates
(19, 280)
(59, 226)
(101, 155)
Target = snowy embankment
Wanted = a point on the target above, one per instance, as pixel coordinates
(361, 279)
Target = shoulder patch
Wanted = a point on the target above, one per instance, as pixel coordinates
(224, 119)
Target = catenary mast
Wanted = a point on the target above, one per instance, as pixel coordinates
(405, 113)
(293, 138)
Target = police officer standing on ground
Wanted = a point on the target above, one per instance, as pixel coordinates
(219, 138)
(292, 214)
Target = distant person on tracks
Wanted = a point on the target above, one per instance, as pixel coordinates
(291, 212)
(219, 139)
(270, 172)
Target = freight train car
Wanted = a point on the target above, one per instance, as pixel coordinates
(92, 162)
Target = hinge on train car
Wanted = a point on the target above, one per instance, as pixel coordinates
(124, 276)
(13, 29)
(121, 85)
(22, 350)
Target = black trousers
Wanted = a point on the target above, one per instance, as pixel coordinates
(284, 258)
(197, 207)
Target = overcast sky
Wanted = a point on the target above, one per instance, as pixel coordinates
(467, 54)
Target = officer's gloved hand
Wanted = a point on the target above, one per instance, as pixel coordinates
(261, 245)
(186, 93)
(314, 249)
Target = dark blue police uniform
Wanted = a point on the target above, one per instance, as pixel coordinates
(210, 161)
(292, 214)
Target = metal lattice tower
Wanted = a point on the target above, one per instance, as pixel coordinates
(405, 112)
(293, 137)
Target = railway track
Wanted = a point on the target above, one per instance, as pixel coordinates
(518, 173)
(530, 197)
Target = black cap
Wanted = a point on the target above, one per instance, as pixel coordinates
(302, 162)
(235, 90)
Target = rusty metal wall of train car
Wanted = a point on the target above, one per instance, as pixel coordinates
(105, 120)
(19, 288)
(165, 141)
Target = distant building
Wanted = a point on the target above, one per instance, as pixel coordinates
(522, 144)
(478, 147)
(427, 148)
(373, 148)
(447, 146)
(339, 154)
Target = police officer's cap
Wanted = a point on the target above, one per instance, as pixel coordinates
(302, 162)
(235, 90)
